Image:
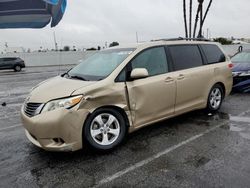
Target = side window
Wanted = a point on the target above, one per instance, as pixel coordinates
(213, 53)
(186, 56)
(9, 59)
(153, 59)
(122, 76)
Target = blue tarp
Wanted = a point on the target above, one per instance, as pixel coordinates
(31, 13)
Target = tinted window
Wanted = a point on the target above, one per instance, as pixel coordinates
(9, 59)
(213, 53)
(186, 56)
(122, 76)
(154, 60)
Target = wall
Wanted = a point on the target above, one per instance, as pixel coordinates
(69, 58)
(50, 58)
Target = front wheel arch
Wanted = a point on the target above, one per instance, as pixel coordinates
(98, 110)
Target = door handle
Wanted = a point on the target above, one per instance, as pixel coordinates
(180, 77)
(169, 79)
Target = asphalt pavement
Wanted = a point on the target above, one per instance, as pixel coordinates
(193, 150)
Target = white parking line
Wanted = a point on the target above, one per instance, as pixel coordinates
(240, 119)
(244, 113)
(11, 127)
(156, 156)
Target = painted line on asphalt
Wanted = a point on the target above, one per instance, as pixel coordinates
(11, 127)
(244, 113)
(156, 156)
(240, 119)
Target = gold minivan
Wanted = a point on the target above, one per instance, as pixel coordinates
(122, 89)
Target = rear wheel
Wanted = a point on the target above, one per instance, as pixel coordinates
(17, 68)
(215, 98)
(104, 129)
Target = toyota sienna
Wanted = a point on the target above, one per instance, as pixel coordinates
(122, 89)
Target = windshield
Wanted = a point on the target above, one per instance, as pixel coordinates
(100, 65)
(242, 57)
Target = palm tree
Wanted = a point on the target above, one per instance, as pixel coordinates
(204, 18)
(185, 18)
(196, 21)
(201, 16)
(190, 18)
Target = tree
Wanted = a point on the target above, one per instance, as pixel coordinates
(196, 21)
(185, 18)
(113, 44)
(223, 41)
(66, 48)
(204, 18)
(190, 18)
(91, 49)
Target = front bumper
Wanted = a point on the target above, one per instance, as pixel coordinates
(58, 130)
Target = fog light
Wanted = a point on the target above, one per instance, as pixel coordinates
(58, 140)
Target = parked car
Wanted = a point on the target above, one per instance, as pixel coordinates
(14, 63)
(241, 71)
(122, 89)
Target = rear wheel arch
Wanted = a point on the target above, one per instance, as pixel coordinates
(209, 107)
(223, 88)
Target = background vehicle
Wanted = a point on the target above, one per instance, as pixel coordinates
(123, 89)
(241, 71)
(14, 63)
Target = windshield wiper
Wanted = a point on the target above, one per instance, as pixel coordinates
(66, 73)
(78, 78)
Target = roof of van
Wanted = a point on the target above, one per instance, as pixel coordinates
(161, 42)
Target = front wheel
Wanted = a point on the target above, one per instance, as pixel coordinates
(215, 98)
(104, 129)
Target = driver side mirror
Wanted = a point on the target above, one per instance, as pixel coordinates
(139, 73)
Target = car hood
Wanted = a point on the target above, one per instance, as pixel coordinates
(54, 88)
(238, 67)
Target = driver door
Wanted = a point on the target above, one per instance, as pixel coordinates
(151, 98)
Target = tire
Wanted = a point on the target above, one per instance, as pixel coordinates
(102, 135)
(17, 68)
(215, 98)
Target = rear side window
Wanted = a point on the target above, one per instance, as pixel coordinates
(186, 56)
(9, 59)
(153, 59)
(213, 53)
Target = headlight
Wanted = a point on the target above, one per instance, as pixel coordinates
(62, 103)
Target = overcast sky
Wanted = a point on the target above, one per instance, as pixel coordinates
(88, 23)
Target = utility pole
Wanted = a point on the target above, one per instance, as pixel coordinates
(136, 34)
(56, 46)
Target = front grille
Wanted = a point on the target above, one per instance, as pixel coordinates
(30, 108)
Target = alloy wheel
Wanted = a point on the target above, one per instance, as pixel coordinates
(215, 98)
(105, 129)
